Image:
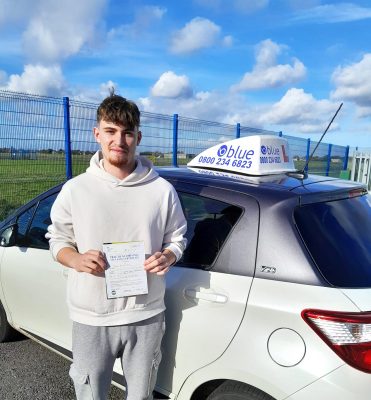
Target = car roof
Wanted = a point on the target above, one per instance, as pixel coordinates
(313, 187)
(291, 183)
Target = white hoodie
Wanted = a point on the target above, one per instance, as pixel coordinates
(95, 208)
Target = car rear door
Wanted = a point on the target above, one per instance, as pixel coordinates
(206, 303)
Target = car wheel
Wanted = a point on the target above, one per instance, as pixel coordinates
(6, 331)
(232, 390)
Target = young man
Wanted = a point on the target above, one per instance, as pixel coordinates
(120, 198)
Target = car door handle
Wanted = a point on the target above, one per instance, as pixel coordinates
(213, 297)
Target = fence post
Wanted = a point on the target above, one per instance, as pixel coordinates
(175, 140)
(307, 155)
(67, 136)
(346, 158)
(328, 159)
(353, 170)
(238, 130)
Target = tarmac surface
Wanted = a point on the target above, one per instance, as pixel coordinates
(31, 371)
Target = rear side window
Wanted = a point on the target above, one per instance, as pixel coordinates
(338, 237)
(40, 222)
(23, 221)
(32, 225)
(209, 223)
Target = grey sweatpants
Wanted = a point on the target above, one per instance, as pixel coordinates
(95, 349)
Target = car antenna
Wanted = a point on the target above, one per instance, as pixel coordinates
(302, 172)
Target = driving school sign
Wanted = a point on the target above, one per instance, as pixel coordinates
(252, 155)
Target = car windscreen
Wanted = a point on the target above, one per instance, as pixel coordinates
(337, 234)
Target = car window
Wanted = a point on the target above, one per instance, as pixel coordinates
(338, 237)
(40, 222)
(209, 223)
(24, 220)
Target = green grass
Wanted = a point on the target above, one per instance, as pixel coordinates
(319, 168)
(22, 180)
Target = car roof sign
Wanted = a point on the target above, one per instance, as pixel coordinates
(252, 155)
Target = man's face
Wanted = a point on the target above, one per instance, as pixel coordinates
(118, 144)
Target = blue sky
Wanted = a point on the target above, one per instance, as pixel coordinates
(284, 65)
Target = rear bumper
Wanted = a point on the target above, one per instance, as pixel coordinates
(344, 383)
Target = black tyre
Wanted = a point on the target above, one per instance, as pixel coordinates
(7, 333)
(232, 390)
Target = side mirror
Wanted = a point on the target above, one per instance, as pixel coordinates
(8, 236)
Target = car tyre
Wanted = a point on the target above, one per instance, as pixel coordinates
(232, 390)
(7, 333)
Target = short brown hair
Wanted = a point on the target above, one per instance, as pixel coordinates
(120, 111)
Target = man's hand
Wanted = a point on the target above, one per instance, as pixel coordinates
(91, 262)
(160, 262)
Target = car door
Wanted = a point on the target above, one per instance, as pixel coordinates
(34, 284)
(206, 295)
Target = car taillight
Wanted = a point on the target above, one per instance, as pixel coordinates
(347, 333)
(357, 192)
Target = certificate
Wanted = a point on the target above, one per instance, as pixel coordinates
(125, 273)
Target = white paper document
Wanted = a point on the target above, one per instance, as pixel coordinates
(125, 273)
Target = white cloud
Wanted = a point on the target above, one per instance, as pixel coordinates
(363, 112)
(266, 53)
(297, 111)
(51, 32)
(153, 12)
(267, 73)
(144, 18)
(301, 111)
(172, 85)
(332, 13)
(38, 79)
(211, 106)
(227, 41)
(57, 30)
(147, 14)
(11, 13)
(105, 88)
(271, 77)
(197, 34)
(95, 94)
(353, 83)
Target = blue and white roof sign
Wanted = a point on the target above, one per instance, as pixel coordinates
(251, 155)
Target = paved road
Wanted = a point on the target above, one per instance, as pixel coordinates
(30, 371)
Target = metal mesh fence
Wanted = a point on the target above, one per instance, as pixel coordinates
(328, 159)
(31, 129)
(246, 131)
(44, 140)
(83, 144)
(157, 142)
(298, 150)
(195, 136)
(338, 160)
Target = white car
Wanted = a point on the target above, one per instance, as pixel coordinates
(271, 300)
